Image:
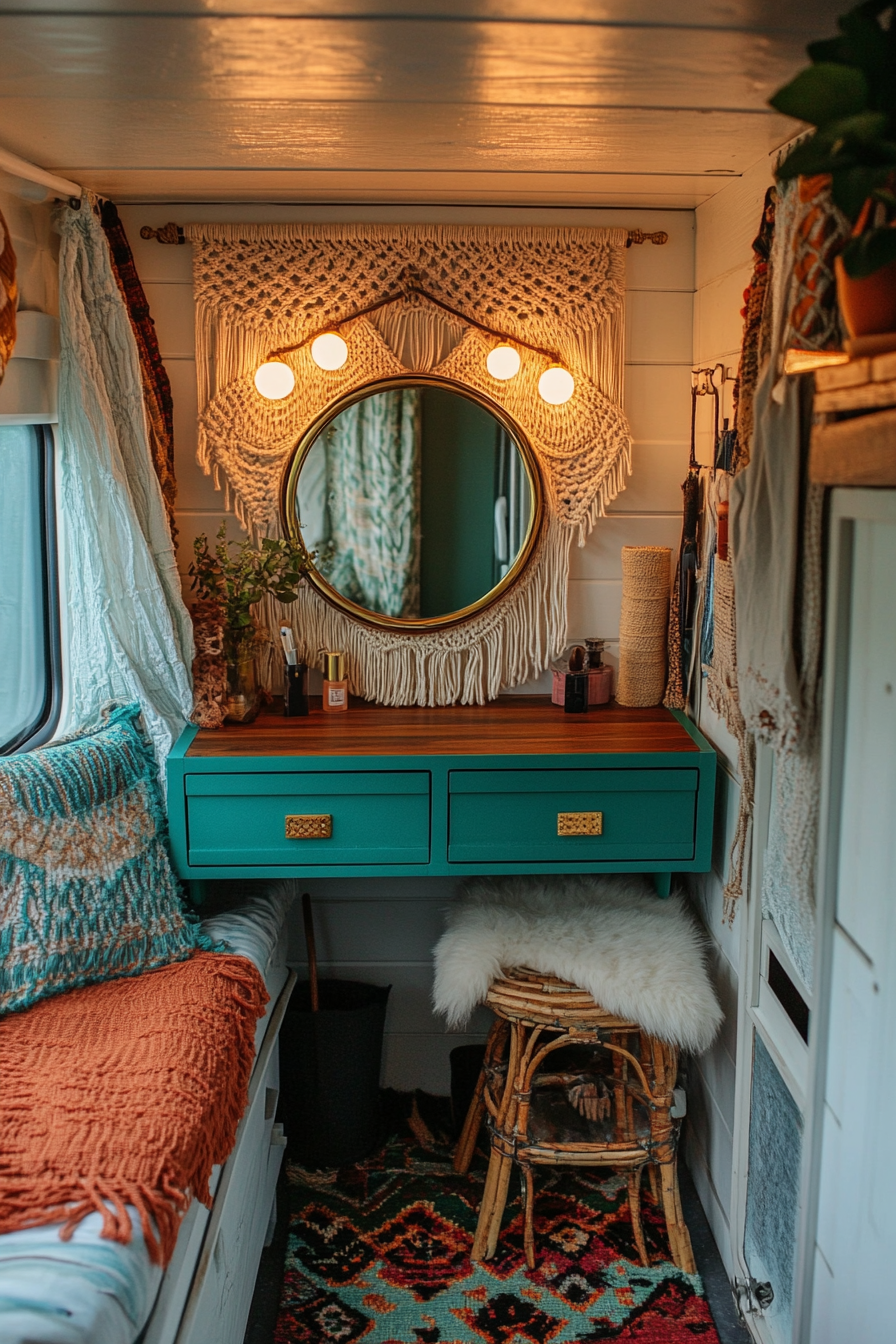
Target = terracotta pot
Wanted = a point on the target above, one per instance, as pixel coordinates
(868, 305)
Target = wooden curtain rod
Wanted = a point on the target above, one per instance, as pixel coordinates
(173, 233)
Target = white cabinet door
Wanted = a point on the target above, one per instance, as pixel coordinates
(856, 1230)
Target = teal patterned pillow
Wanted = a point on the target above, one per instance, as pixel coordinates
(87, 891)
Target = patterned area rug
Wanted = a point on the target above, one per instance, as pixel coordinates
(380, 1251)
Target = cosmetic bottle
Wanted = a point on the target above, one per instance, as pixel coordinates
(600, 677)
(295, 698)
(575, 693)
(335, 684)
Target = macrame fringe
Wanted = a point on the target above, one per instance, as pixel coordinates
(506, 645)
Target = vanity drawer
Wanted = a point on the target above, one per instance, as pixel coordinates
(508, 816)
(358, 817)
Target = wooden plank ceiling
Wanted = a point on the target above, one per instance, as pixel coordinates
(525, 102)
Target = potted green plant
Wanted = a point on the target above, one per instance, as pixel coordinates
(235, 576)
(848, 94)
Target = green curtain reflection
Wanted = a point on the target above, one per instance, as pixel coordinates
(372, 553)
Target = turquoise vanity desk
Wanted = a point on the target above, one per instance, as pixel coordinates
(514, 786)
(468, 539)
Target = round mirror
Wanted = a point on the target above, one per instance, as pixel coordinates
(420, 499)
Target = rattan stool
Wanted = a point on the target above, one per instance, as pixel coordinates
(614, 1102)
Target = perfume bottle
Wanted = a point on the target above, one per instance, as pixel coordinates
(335, 684)
(600, 677)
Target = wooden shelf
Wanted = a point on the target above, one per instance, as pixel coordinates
(854, 438)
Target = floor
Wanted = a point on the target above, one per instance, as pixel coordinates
(265, 1302)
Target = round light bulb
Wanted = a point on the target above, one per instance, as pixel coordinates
(556, 385)
(329, 351)
(275, 380)
(503, 362)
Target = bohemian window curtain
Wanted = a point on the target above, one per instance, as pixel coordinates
(366, 518)
(129, 633)
(263, 287)
(156, 386)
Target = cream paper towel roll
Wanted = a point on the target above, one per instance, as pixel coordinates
(643, 624)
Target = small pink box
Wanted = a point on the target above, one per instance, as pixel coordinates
(600, 686)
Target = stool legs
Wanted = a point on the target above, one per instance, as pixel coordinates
(497, 1180)
(660, 1062)
(654, 1184)
(634, 1204)
(679, 1237)
(466, 1144)
(529, 1216)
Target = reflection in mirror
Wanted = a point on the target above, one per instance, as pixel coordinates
(417, 501)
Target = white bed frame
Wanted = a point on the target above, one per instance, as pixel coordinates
(207, 1290)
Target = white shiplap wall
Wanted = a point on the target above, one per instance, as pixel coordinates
(384, 929)
(726, 226)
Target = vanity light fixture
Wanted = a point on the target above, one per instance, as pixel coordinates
(556, 385)
(503, 362)
(274, 379)
(329, 351)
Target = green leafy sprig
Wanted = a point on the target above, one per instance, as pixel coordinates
(237, 581)
(849, 94)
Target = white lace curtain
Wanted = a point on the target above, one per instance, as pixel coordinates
(128, 632)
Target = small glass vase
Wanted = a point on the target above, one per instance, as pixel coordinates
(243, 698)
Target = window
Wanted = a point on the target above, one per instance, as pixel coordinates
(30, 683)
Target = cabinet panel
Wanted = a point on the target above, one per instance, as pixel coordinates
(225, 1277)
(501, 815)
(367, 817)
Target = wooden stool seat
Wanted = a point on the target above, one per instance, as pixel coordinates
(528, 996)
(606, 1101)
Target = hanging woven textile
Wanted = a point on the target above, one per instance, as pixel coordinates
(8, 296)
(156, 387)
(260, 288)
(750, 353)
(779, 584)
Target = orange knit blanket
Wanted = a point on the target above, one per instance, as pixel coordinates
(126, 1092)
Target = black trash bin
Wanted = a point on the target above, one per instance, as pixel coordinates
(330, 1072)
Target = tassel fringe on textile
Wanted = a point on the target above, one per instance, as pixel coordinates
(144, 1110)
(507, 644)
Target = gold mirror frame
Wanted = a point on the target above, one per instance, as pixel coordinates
(411, 624)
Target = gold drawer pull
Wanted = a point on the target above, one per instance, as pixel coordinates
(309, 827)
(580, 823)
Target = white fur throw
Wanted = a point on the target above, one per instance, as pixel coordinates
(640, 957)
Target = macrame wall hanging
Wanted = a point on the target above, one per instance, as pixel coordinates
(262, 287)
